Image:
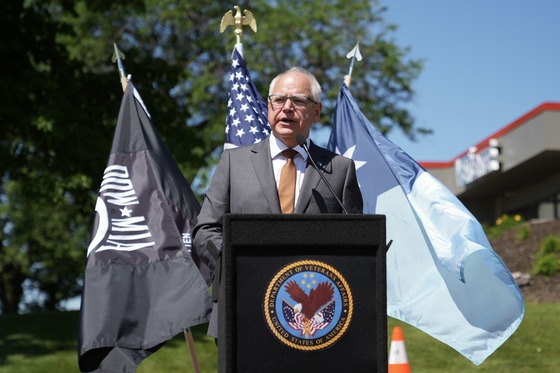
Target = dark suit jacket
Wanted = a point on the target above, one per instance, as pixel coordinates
(244, 183)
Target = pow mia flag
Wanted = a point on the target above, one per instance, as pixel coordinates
(142, 285)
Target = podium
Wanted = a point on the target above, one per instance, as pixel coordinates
(303, 293)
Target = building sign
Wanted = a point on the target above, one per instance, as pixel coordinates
(474, 165)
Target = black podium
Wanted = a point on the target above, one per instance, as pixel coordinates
(303, 293)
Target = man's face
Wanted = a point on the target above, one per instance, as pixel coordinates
(292, 119)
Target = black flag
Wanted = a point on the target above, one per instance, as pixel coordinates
(142, 286)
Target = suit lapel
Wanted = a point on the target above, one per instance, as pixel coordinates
(312, 177)
(262, 165)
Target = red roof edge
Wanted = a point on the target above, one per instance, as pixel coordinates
(427, 164)
(546, 106)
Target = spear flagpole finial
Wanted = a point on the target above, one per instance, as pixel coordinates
(238, 21)
(118, 56)
(353, 55)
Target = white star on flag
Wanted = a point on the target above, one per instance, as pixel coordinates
(125, 212)
(247, 110)
(349, 153)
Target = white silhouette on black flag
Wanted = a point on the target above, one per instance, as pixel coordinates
(142, 286)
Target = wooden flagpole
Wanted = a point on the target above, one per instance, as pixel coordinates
(192, 350)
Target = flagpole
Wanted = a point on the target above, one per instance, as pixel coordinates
(353, 55)
(192, 350)
(118, 56)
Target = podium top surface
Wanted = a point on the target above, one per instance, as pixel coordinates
(297, 229)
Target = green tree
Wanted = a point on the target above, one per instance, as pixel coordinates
(57, 119)
(61, 95)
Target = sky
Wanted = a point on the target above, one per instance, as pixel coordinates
(486, 63)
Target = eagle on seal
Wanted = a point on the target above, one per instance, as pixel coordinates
(309, 304)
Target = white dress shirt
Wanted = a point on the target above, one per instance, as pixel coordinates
(279, 160)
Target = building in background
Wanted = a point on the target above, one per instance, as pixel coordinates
(516, 170)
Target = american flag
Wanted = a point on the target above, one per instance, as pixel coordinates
(247, 112)
(320, 321)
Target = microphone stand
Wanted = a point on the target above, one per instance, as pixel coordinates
(303, 143)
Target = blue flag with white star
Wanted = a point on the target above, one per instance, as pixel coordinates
(443, 276)
(247, 112)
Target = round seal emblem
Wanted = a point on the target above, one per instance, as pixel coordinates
(308, 305)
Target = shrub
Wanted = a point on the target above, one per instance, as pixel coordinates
(524, 232)
(547, 265)
(550, 245)
(547, 262)
(504, 223)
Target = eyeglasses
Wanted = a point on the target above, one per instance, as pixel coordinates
(278, 101)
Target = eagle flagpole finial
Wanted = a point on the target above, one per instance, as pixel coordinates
(238, 21)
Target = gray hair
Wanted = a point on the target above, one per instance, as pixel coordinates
(315, 86)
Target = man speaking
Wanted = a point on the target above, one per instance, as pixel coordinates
(286, 173)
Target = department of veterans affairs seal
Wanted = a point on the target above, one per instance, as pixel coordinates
(308, 305)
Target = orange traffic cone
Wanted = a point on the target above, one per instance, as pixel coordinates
(398, 361)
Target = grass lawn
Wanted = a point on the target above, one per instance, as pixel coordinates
(46, 342)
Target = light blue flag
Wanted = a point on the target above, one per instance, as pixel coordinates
(443, 276)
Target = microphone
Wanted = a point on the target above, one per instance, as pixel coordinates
(303, 143)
